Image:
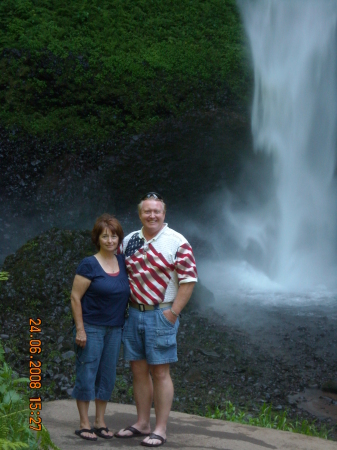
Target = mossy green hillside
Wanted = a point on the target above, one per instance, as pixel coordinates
(107, 67)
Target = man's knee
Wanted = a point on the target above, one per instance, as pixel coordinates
(140, 368)
(160, 372)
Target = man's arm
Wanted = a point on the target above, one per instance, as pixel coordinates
(183, 295)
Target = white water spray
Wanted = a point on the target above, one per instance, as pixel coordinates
(294, 120)
(294, 47)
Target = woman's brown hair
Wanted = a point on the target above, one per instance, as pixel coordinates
(103, 222)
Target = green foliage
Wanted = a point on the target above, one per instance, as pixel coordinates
(267, 419)
(14, 414)
(30, 245)
(4, 276)
(105, 67)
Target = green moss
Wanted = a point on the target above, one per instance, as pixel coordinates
(105, 67)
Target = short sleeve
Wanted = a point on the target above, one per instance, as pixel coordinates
(185, 265)
(85, 269)
(121, 258)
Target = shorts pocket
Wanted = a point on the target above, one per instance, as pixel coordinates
(166, 338)
(164, 320)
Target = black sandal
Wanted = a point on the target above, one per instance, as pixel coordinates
(85, 430)
(154, 436)
(134, 432)
(99, 433)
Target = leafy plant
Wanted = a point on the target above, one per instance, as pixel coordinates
(267, 419)
(4, 276)
(105, 67)
(14, 413)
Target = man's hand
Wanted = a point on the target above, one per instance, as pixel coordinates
(169, 316)
(183, 295)
(81, 338)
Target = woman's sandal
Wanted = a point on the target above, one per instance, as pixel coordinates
(85, 430)
(99, 433)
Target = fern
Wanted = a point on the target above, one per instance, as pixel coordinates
(3, 430)
(45, 441)
(8, 445)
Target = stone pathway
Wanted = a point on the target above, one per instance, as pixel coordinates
(185, 432)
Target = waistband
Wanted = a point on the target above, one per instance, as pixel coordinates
(142, 307)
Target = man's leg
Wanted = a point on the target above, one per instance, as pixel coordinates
(163, 396)
(143, 394)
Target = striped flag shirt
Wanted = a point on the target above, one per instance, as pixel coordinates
(157, 267)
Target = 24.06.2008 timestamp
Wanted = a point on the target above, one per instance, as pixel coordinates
(35, 404)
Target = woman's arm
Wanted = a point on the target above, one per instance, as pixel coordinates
(80, 286)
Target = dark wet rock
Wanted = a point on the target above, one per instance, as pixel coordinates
(330, 386)
(209, 353)
(201, 297)
(193, 375)
(68, 355)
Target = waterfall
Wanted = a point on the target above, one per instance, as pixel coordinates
(294, 120)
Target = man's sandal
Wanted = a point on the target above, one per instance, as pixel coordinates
(99, 433)
(134, 432)
(85, 430)
(154, 436)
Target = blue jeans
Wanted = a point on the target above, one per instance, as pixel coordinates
(149, 335)
(96, 363)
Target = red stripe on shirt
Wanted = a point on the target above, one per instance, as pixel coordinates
(144, 293)
(186, 273)
(150, 285)
(154, 274)
(138, 296)
(160, 268)
(161, 257)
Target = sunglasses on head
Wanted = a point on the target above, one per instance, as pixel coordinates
(152, 195)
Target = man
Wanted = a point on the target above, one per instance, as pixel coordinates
(162, 274)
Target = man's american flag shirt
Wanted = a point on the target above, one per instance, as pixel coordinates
(157, 267)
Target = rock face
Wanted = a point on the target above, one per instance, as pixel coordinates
(217, 361)
(41, 274)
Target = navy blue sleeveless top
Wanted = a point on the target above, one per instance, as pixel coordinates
(105, 300)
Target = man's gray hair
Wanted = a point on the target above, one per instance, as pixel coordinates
(140, 204)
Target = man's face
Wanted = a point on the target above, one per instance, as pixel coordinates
(152, 216)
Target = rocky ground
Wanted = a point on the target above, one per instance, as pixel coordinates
(275, 361)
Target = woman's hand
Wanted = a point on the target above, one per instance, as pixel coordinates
(81, 338)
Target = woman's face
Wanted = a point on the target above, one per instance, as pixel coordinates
(108, 240)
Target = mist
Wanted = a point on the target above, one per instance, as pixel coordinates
(275, 237)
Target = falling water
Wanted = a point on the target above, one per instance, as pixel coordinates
(294, 48)
(286, 238)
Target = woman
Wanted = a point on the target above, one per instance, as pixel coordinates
(98, 299)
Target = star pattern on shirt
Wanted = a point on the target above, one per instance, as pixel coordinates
(134, 244)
